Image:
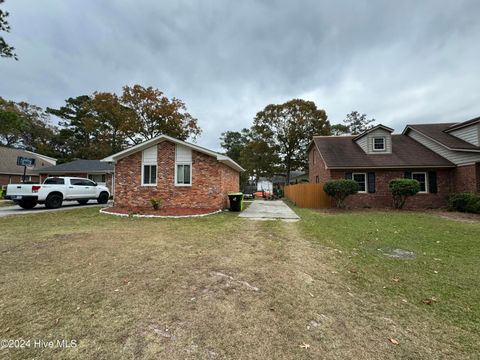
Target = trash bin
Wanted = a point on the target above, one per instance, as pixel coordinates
(236, 201)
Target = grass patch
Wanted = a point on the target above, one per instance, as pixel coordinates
(224, 287)
(444, 268)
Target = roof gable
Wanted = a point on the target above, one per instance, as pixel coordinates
(341, 152)
(463, 124)
(8, 160)
(156, 140)
(438, 134)
(366, 132)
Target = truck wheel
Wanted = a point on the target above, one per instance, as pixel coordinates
(54, 201)
(82, 202)
(103, 198)
(27, 204)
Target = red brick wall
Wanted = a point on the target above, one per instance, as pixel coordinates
(316, 167)
(211, 180)
(467, 178)
(383, 197)
(15, 179)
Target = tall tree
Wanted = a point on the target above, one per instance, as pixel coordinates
(259, 159)
(26, 126)
(233, 142)
(5, 49)
(79, 128)
(12, 123)
(289, 128)
(156, 114)
(339, 129)
(357, 123)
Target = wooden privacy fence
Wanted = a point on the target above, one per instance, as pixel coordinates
(309, 196)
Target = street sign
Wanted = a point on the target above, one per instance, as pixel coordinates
(24, 161)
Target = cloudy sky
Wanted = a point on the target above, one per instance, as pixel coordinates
(398, 61)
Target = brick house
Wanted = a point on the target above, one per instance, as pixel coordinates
(181, 174)
(11, 173)
(95, 170)
(444, 158)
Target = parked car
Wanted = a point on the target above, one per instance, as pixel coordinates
(55, 190)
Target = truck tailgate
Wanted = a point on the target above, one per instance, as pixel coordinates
(19, 189)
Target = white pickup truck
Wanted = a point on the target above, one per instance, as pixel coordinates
(56, 189)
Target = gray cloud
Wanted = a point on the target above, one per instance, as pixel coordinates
(400, 62)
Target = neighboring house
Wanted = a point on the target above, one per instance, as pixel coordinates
(180, 174)
(11, 173)
(96, 170)
(265, 184)
(444, 158)
(298, 177)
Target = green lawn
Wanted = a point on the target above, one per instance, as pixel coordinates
(6, 203)
(222, 287)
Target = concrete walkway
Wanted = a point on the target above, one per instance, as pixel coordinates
(269, 210)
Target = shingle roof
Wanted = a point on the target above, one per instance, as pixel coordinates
(80, 166)
(437, 133)
(463, 124)
(8, 161)
(343, 152)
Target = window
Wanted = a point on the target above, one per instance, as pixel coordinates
(313, 156)
(183, 174)
(317, 179)
(361, 179)
(54, 181)
(183, 166)
(149, 166)
(421, 177)
(81, 182)
(378, 144)
(98, 178)
(149, 174)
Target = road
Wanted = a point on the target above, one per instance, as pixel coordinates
(39, 209)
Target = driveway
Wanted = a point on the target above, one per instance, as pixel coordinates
(67, 205)
(269, 210)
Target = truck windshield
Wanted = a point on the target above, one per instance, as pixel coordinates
(54, 181)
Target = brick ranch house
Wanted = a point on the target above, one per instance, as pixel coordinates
(95, 170)
(181, 174)
(444, 158)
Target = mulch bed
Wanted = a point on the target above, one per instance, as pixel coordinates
(160, 212)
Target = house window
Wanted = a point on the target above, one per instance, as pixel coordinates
(421, 177)
(313, 156)
(149, 166)
(361, 179)
(183, 166)
(149, 174)
(378, 144)
(317, 179)
(183, 174)
(98, 178)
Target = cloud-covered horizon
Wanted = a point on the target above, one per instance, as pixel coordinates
(399, 62)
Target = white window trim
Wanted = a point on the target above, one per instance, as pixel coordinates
(176, 171)
(366, 184)
(384, 144)
(426, 180)
(156, 174)
(149, 163)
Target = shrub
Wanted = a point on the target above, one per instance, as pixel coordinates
(156, 203)
(401, 189)
(339, 190)
(464, 202)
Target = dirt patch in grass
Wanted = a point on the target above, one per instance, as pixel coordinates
(215, 288)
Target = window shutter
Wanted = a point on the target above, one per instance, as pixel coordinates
(348, 176)
(408, 175)
(432, 182)
(371, 182)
